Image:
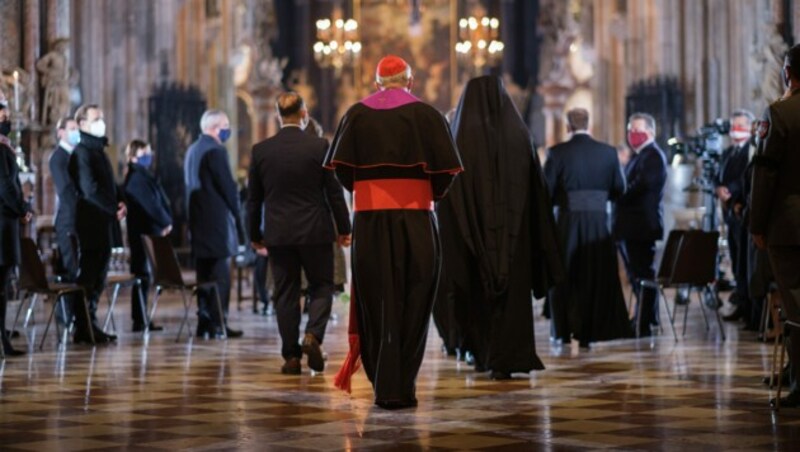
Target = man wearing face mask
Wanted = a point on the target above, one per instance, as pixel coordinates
(297, 198)
(729, 190)
(148, 214)
(68, 136)
(775, 208)
(638, 219)
(214, 225)
(98, 208)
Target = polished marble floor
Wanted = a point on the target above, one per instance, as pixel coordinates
(155, 394)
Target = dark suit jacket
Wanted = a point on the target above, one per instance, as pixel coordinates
(65, 190)
(731, 173)
(639, 212)
(96, 207)
(213, 203)
(148, 209)
(775, 198)
(583, 163)
(12, 206)
(296, 193)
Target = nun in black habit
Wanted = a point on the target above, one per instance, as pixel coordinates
(498, 233)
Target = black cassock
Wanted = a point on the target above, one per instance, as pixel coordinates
(390, 150)
(498, 235)
(583, 175)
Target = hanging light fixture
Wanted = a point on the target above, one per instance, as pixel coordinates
(338, 45)
(480, 46)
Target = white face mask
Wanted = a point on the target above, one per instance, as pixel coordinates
(98, 128)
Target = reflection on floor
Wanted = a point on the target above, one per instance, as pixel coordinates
(650, 394)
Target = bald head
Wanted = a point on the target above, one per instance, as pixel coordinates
(292, 109)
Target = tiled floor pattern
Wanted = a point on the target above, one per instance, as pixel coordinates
(699, 394)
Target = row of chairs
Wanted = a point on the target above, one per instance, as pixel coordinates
(166, 272)
(689, 263)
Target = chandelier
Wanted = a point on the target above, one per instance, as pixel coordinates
(338, 44)
(479, 46)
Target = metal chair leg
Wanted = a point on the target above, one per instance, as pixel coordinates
(639, 310)
(19, 310)
(719, 318)
(112, 303)
(185, 321)
(773, 375)
(137, 286)
(686, 311)
(49, 321)
(88, 319)
(669, 314)
(149, 318)
(224, 326)
(29, 314)
(703, 309)
(780, 386)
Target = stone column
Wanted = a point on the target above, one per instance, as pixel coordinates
(10, 34)
(58, 20)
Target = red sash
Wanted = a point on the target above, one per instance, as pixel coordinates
(392, 194)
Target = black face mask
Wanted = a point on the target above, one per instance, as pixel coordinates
(5, 127)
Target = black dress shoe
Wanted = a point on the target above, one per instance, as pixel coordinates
(312, 349)
(138, 328)
(99, 338)
(230, 332)
(291, 367)
(9, 350)
(790, 401)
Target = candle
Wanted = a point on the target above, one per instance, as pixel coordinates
(16, 91)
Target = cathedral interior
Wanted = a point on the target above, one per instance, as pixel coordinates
(155, 66)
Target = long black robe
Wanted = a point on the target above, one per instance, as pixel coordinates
(582, 175)
(396, 253)
(499, 245)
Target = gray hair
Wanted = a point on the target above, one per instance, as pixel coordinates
(744, 113)
(398, 79)
(649, 120)
(211, 118)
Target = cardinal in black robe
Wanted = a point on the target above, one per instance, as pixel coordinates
(583, 175)
(498, 233)
(397, 156)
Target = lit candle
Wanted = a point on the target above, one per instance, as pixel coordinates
(16, 91)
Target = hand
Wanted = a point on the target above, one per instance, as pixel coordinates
(261, 250)
(166, 231)
(27, 218)
(760, 240)
(122, 211)
(723, 194)
(345, 240)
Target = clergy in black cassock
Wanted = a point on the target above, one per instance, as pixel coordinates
(498, 232)
(397, 156)
(583, 174)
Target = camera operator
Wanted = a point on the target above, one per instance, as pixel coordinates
(730, 193)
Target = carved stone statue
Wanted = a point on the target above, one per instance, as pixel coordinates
(56, 78)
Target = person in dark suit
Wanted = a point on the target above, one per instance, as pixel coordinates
(730, 190)
(775, 207)
(297, 197)
(68, 136)
(98, 209)
(215, 227)
(13, 211)
(583, 174)
(148, 214)
(638, 218)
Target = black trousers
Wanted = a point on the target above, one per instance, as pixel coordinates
(141, 269)
(738, 251)
(785, 262)
(639, 257)
(213, 270)
(317, 262)
(69, 272)
(260, 278)
(5, 271)
(93, 263)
